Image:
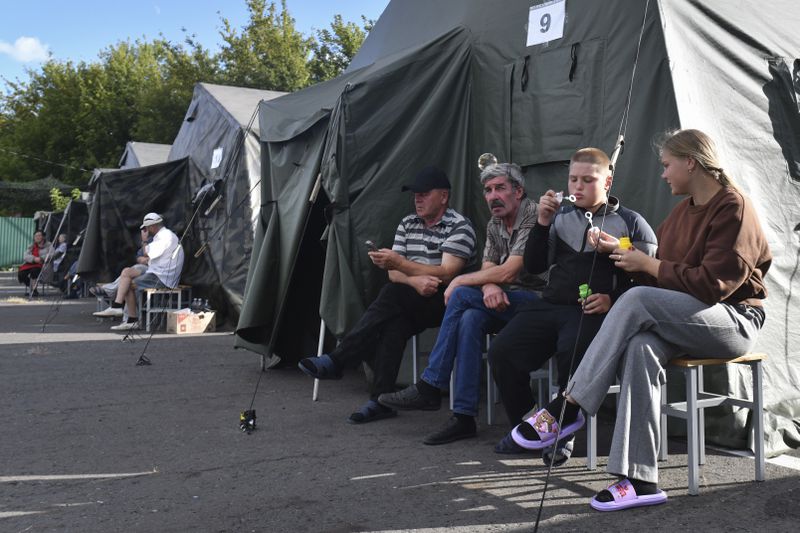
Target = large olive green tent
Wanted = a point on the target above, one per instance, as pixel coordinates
(442, 82)
(217, 143)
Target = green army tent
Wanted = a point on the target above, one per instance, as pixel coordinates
(442, 82)
(139, 154)
(218, 143)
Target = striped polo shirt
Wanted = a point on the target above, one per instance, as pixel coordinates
(453, 234)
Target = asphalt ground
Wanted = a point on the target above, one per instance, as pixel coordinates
(91, 442)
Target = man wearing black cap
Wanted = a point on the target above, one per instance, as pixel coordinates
(431, 247)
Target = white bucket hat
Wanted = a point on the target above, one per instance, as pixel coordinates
(150, 219)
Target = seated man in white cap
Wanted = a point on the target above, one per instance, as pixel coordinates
(165, 263)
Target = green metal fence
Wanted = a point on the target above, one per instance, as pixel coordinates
(15, 235)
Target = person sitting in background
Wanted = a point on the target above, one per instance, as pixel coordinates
(60, 251)
(34, 257)
(164, 258)
(133, 271)
(56, 276)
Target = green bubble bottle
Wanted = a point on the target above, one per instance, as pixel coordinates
(584, 291)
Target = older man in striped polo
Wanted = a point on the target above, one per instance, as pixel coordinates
(431, 247)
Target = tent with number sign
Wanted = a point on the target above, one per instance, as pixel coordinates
(220, 133)
(530, 81)
(217, 147)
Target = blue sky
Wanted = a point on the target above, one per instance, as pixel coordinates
(78, 29)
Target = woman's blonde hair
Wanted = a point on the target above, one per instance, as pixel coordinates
(698, 146)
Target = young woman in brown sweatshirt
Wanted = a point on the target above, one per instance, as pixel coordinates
(703, 297)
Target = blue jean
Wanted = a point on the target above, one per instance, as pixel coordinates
(465, 324)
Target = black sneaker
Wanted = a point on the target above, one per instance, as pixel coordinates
(454, 429)
(410, 399)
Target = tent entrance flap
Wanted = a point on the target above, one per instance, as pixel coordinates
(297, 331)
(288, 181)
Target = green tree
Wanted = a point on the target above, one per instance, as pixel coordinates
(68, 117)
(166, 102)
(268, 53)
(59, 201)
(81, 115)
(334, 48)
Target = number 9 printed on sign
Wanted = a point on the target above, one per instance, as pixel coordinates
(546, 22)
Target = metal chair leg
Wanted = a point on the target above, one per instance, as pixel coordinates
(701, 421)
(489, 394)
(662, 448)
(758, 419)
(414, 368)
(591, 443)
(315, 394)
(691, 430)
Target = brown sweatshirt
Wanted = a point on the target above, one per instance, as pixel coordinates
(716, 252)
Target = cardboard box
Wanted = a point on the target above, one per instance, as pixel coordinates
(181, 322)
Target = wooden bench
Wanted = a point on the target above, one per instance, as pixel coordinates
(697, 399)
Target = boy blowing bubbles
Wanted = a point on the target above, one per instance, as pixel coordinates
(589, 183)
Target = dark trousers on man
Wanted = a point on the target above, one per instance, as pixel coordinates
(538, 331)
(379, 338)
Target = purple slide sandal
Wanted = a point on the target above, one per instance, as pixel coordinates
(625, 497)
(546, 426)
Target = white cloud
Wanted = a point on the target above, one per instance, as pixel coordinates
(157, 9)
(26, 49)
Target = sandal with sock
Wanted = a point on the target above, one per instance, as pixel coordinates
(370, 412)
(322, 367)
(626, 494)
(540, 430)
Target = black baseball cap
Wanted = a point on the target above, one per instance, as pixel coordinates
(426, 179)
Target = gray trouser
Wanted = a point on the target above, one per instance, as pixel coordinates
(646, 328)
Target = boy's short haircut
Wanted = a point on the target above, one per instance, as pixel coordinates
(594, 156)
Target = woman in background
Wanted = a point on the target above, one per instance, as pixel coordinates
(34, 257)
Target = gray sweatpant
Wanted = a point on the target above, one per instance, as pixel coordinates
(644, 329)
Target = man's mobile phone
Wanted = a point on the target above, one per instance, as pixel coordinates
(371, 246)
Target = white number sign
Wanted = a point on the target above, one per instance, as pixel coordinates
(546, 22)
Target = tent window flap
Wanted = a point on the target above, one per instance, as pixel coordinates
(558, 106)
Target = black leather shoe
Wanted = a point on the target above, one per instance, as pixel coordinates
(410, 399)
(454, 429)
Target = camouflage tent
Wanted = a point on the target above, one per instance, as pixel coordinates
(442, 82)
(30, 196)
(120, 199)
